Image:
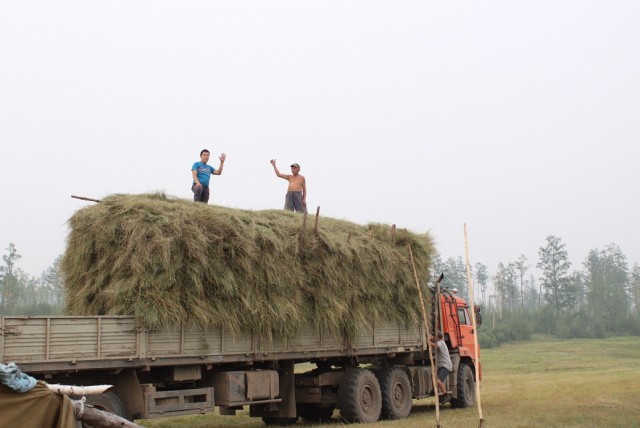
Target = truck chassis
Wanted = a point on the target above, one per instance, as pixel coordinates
(184, 370)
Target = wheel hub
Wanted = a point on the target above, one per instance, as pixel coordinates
(367, 398)
(399, 395)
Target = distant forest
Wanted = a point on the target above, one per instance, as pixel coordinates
(599, 299)
(23, 294)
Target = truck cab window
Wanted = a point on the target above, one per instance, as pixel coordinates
(463, 316)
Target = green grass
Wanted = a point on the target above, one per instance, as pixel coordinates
(539, 383)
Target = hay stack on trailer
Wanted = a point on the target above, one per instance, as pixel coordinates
(166, 260)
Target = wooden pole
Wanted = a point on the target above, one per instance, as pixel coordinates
(100, 418)
(304, 228)
(393, 234)
(473, 323)
(426, 326)
(78, 390)
(85, 199)
(315, 228)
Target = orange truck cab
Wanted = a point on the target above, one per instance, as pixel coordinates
(454, 315)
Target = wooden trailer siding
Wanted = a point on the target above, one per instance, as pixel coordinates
(31, 339)
(64, 343)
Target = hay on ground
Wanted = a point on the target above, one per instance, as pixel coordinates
(167, 260)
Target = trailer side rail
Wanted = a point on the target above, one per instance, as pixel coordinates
(59, 343)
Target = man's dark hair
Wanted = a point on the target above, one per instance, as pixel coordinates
(204, 151)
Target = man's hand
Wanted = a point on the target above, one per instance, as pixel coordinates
(273, 162)
(223, 156)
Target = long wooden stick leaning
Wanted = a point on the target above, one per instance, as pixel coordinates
(426, 326)
(473, 323)
(315, 228)
(302, 232)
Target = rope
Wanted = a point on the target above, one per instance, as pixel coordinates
(12, 377)
(81, 411)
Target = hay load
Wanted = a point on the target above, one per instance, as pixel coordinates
(170, 261)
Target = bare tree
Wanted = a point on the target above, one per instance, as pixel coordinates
(481, 278)
(522, 267)
(634, 290)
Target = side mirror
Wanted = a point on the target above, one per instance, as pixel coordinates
(478, 316)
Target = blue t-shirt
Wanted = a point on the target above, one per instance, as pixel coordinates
(203, 171)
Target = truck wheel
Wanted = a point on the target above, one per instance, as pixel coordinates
(109, 402)
(315, 412)
(279, 421)
(396, 393)
(359, 396)
(466, 387)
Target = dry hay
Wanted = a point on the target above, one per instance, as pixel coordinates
(167, 260)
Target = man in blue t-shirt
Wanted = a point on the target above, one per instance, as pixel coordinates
(201, 173)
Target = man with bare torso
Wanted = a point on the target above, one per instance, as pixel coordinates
(296, 198)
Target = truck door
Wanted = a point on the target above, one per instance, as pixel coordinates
(467, 332)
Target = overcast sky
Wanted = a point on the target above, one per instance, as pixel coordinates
(519, 118)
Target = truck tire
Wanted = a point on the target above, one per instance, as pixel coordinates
(315, 412)
(359, 396)
(109, 402)
(396, 393)
(466, 387)
(278, 421)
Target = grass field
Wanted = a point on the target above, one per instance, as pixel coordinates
(540, 383)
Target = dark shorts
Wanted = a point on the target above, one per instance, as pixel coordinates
(443, 372)
(293, 202)
(200, 193)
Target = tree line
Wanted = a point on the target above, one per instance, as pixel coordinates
(600, 298)
(24, 294)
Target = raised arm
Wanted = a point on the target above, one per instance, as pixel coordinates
(219, 170)
(278, 173)
(431, 340)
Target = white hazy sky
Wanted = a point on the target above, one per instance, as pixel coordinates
(520, 118)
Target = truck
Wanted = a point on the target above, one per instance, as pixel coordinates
(179, 370)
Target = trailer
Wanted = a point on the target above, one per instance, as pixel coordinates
(185, 370)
